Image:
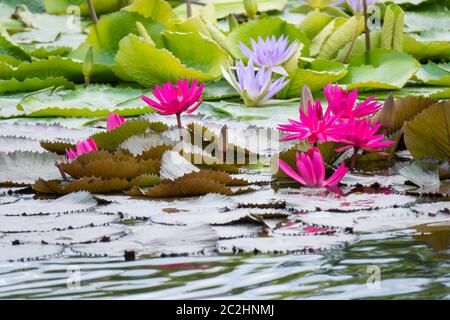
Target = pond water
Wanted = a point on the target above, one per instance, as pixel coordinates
(409, 266)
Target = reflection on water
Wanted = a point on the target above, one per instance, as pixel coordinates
(410, 267)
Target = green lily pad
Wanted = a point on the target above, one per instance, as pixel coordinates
(432, 44)
(92, 101)
(201, 61)
(428, 134)
(386, 70)
(314, 22)
(225, 7)
(264, 28)
(315, 75)
(104, 37)
(100, 6)
(157, 10)
(33, 84)
(10, 52)
(434, 74)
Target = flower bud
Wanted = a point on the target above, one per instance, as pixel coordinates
(387, 117)
(251, 8)
(306, 97)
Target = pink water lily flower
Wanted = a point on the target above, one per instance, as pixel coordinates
(311, 170)
(82, 147)
(315, 126)
(342, 102)
(176, 98)
(364, 136)
(113, 121)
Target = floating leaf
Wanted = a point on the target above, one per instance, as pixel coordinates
(432, 207)
(313, 23)
(434, 74)
(33, 84)
(202, 61)
(223, 8)
(27, 252)
(104, 37)
(312, 200)
(100, 6)
(68, 237)
(93, 185)
(23, 167)
(431, 46)
(11, 144)
(315, 75)
(157, 240)
(157, 10)
(285, 244)
(428, 134)
(405, 109)
(12, 224)
(94, 100)
(71, 203)
(386, 70)
(373, 221)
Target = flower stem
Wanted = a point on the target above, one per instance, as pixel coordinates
(353, 159)
(63, 174)
(352, 45)
(366, 30)
(189, 8)
(180, 127)
(92, 11)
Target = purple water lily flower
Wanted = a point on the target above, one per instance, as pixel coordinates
(356, 5)
(255, 87)
(271, 52)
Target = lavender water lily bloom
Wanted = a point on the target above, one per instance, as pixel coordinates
(355, 5)
(271, 52)
(255, 87)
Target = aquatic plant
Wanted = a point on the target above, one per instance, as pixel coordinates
(113, 121)
(311, 170)
(315, 126)
(176, 99)
(255, 87)
(82, 147)
(271, 52)
(341, 102)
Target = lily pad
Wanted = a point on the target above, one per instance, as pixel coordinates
(104, 37)
(434, 74)
(23, 167)
(373, 221)
(428, 134)
(68, 237)
(172, 63)
(316, 200)
(28, 252)
(12, 224)
(156, 240)
(386, 70)
(100, 6)
(71, 203)
(223, 8)
(285, 244)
